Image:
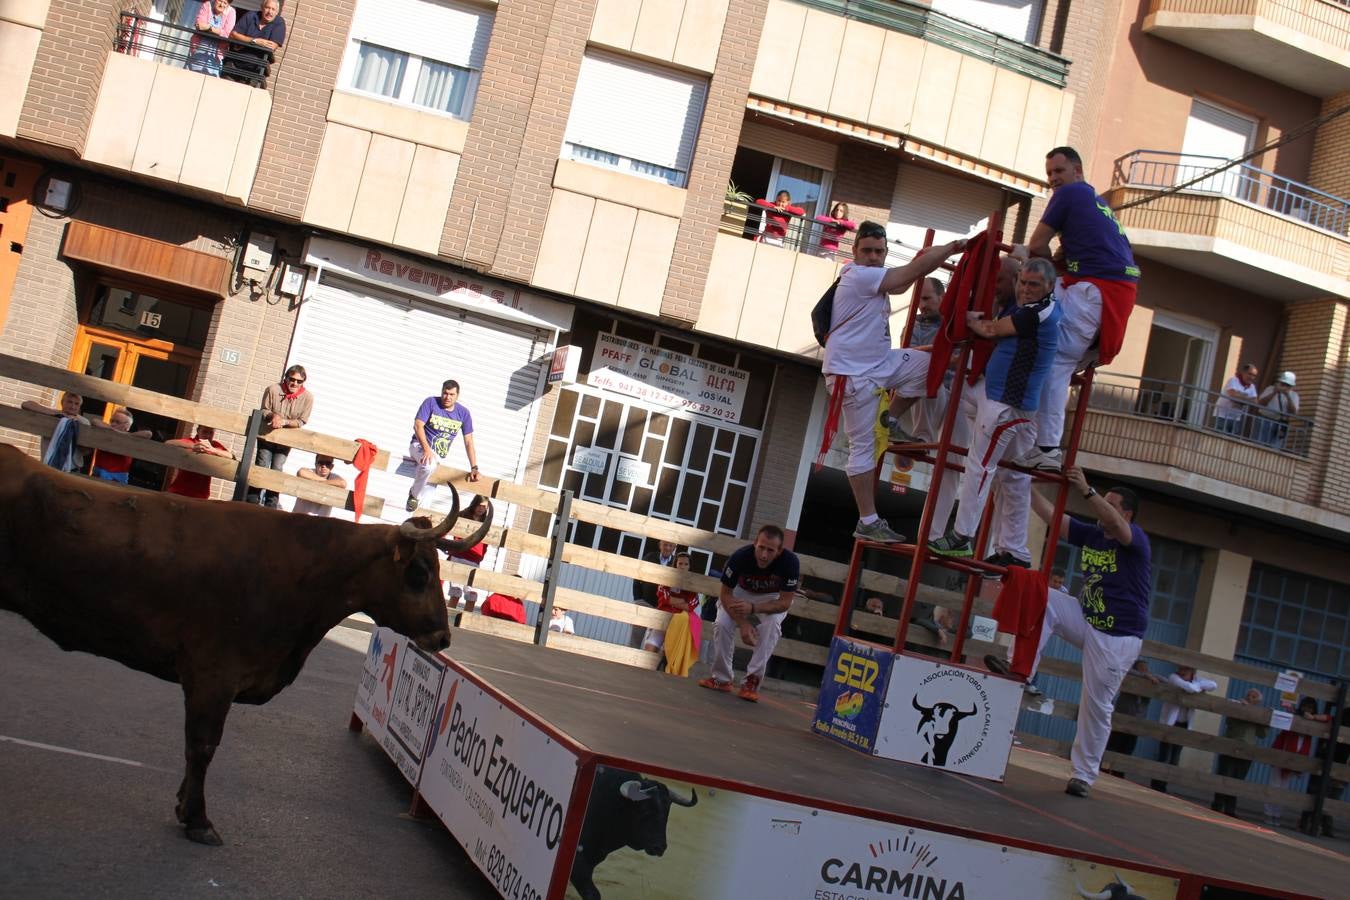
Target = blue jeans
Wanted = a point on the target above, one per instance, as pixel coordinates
(119, 477)
(269, 456)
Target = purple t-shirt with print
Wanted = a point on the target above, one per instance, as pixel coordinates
(442, 425)
(1094, 243)
(1117, 579)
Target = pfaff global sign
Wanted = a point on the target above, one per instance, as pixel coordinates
(666, 378)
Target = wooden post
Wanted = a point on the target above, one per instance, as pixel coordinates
(1320, 798)
(558, 540)
(247, 455)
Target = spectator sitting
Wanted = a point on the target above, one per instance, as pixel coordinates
(69, 456)
(322, 471)
(671, 600)
(215, 17)
(644, 592)
(685, 632)
(1277, 402)
(470, 556)
(1239, 395)
(1232, 766)
(776, 218)
(285, 404)
(1174, 713)
(1127, 705)
(265, 31)
(195, 484)
(561, 622)
(116, 466)
(1291, 742)
(836, 225)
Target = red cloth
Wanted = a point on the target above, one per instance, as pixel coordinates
(1020, 610)
(1117, 304)
(111, 462)
(473, 554)
(298, 391)
(365, 456)
(500, 606)
(832, 413)
(959, 297)
(665, 593)
(191, 484)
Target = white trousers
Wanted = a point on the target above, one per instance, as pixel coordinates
(906, 372)
(1000, 430)
(724, 641)
(425, 465)
(927, 421)
(1106, 660)
(1079, 324)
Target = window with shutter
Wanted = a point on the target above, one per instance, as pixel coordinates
(425, 53)
(635, 117)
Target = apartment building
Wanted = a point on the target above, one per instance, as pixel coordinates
(554, 204)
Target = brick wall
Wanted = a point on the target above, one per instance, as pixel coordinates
(1316, 342)
(864, 178)
(713, 155)
(316, 38)
(1330, 169)
(68, 71)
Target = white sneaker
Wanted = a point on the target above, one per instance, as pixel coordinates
(1045, 460)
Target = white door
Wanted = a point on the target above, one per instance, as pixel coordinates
(1214, 136)
(372, 359)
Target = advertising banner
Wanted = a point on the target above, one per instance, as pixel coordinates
(375, 692)
(412, 708)
(853, 693)
(667, 378)
(500, 785)
(660, 839)
(948, 717)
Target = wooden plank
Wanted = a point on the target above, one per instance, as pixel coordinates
(568, 643)
(1214, 665)
(316, 491)
(122, 394)
(318, 443)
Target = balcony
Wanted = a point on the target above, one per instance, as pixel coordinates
(977, 100)
(148, 118)
(1304, 44)
(1242, 226)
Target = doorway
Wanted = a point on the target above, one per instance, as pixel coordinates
(1177, 367)
(146, 342)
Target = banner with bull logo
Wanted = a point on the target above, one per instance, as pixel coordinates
(375, 691)
(853, 693)
(396, 698)
(647, 838)
(948, 717)
(500, 785)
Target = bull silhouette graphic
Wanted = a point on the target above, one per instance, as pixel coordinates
(937, 728)
(1115, 890)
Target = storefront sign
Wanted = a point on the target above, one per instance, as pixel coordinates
(500, 785)
(564, 364)
(948, 717)
(669, 379)
(591, 460)
(853, 693)
(633, 471)
(733, 844)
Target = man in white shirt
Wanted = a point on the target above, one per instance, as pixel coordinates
(859, 359)
(1239, 396)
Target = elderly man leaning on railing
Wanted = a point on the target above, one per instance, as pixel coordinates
(220, 49)
(1279, 428)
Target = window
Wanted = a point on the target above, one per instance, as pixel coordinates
(1214, 136)
(1295, 620)
(635, 118)
(420, 52)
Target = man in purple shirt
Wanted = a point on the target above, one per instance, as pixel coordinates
(438, 422)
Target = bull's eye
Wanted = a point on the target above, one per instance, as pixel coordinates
(417, 575)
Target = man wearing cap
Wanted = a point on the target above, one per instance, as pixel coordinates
(322, 471)
(1277, 403)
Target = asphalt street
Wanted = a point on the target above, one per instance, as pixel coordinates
(91, 754)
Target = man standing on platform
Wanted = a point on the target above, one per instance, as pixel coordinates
(1107, 619)
(859, 359)
(758, 583)
(1096, 291)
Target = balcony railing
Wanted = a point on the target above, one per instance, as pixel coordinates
(1189, 406)
(1279, 195)
(803, 234)
(917, 19)
(148, 37)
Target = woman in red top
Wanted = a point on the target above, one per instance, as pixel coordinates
(1292, 742)
(195, 484)
(776, 217)
(834, 226)
(681, 640)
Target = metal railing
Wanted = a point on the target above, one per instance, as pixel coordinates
(802, 234)
(1188, 405)
(1282, 196)
(917, 19)
(148, 37)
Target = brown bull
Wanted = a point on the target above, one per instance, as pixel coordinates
(226, 599)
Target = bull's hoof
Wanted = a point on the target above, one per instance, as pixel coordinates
(204, 835)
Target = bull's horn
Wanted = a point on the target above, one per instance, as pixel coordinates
(417, 533)
(1103, 895)
(451, 547)
(633, 790)
(692, 800)
(915, 700)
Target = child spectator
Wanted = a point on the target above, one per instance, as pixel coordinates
(834, 226)
(195, 484)
(776, 218)
(322, 471)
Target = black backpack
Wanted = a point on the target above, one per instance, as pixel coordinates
(822, 313)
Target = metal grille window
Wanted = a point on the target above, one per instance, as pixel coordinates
(1297, 621)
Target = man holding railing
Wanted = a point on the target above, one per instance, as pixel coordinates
(1096, 290)
(264, 30)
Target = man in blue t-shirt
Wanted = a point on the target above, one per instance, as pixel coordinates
(758, 582)
(1026, 336)
(263, 31)
(1109, 616)
(1096, 291)
(438, 422)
